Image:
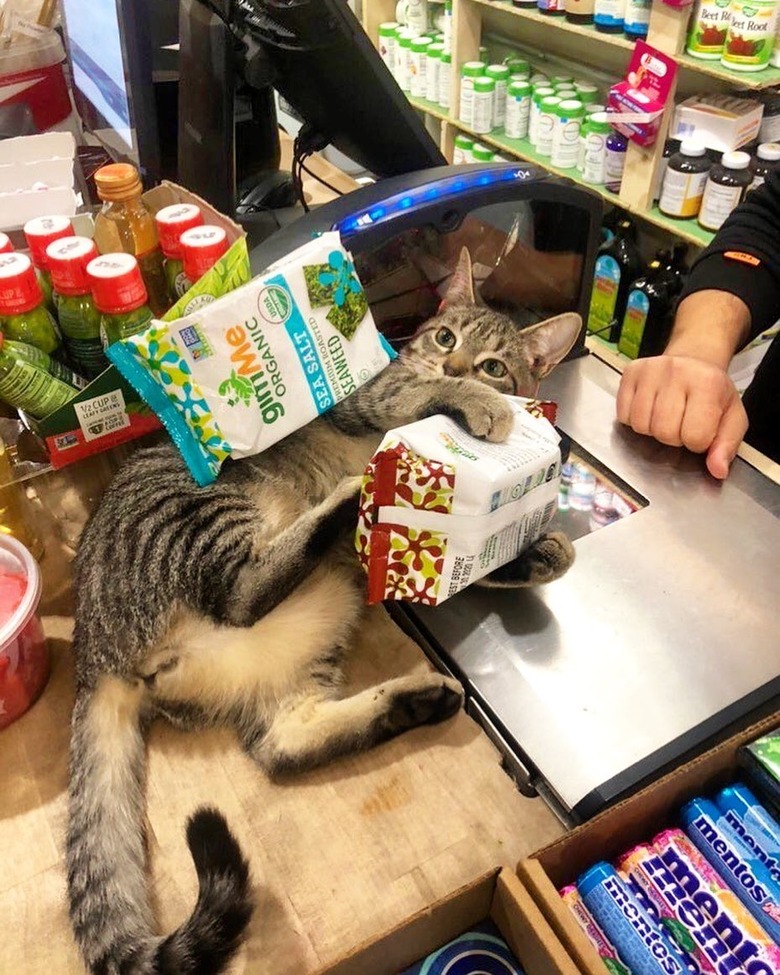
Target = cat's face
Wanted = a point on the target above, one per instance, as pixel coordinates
(465, 339)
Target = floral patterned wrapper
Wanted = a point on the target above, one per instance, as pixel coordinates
(240, 373)
(440, 509)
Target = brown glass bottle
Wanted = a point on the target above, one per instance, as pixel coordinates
(727, 184)
(119, 187)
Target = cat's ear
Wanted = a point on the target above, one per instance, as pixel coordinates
(547, 342)
(460, 290)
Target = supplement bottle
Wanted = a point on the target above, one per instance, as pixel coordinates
(387, 32)
(119, 187)
(417, 16)
(579, 11)
(470, 71)
(538, 93)
(671, 146)
(766, 161)
(78, 317)
(770, 120)
(525, 4)
(518, 110)
(39, 233)
(482, 154)
(608, 16)
(6, 247)
(587, 93)
(647, 322)
(171, 223)
(120, 296)
(684, 180)
(403, 57)
(594, 167)
(727, 184)
(461, 152)
(636, 19)
(553, 8)
(708, 28)
(201, 248)
(545, 124)
(445, 78)
(617, 146)
(566, 133)
(500, 75)
(432, 72)
(751, 35)
(482, 105)
(23, 313)
(618, 264)
(27, 385)
(418, 66)
(518, 66)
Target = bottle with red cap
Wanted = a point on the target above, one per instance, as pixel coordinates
(23, 313)
(201, 248)
(39, 233)
(120, 296)
(171, 223)
(6, 247)
(79, 318)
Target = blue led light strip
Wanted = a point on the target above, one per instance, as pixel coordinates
(443, 189)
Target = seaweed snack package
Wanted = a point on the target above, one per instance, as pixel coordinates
(241, 373)
(440, 509)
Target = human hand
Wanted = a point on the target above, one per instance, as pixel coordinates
(684, 401)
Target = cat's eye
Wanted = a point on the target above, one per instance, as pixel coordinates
(493, 367)
(445, 338)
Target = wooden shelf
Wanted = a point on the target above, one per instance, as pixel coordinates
(754, 81)
(687, 230)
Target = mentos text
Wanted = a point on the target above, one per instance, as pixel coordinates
(728, 857)
(695, 906)
(735, 822)
(247, 341)
(649, 935)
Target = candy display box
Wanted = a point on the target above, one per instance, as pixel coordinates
(635, 820)
(497, 895)
(109, 412)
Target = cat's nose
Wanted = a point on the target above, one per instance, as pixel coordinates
(455, 365)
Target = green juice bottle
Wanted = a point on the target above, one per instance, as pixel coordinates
(79, 318)
(39, 233)
(171, 223)
(201, 248)
(26, 384)
(120, 296)
(23, 313)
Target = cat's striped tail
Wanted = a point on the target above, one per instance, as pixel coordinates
(106, 852)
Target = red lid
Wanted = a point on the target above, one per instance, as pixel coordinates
(117, 285)
(171, 223)
(201, 248)
(19, 288)
(68, 259)
(43, 231)
(5, 244)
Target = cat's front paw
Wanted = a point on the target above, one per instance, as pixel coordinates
(485, 414)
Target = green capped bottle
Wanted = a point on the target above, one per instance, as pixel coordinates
(23, 313)
(39, 233)
(171, 223)
(26, 384)
(120, 296)
(79, 318)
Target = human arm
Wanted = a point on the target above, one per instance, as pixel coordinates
(685, 396)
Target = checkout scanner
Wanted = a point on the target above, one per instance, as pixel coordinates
(663, 636)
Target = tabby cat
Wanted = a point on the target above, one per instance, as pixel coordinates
(236, 604)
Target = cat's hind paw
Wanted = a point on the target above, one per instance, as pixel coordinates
(434, 701)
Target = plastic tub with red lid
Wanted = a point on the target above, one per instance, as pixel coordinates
(24, 656)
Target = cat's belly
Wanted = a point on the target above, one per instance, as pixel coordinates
(217, 666)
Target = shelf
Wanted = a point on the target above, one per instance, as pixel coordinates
(687, 230)
(714, 69)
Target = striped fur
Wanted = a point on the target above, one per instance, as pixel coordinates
(235, 604)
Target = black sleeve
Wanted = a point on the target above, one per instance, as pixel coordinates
(744, 256)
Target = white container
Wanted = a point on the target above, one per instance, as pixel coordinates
(500, 75)
(445, 78)
(417, 16)
(387, 32)
(533, 118)
(518, 110)
(566, 133)
(418, 67)
(469, 72)
(482, 106)
(545, 125)
(432, 72)
(462, 150)
(403, 57)
(594, 164)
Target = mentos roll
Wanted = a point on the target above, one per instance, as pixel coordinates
(640, 942)
(607, 951)
(639, 865)
(754, 824)
(737, 863)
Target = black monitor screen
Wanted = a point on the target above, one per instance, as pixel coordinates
(110, 57)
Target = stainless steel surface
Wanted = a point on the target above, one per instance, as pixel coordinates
(666, 618)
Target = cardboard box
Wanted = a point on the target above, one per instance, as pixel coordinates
(614, 831)
(36, 178)
(497, 895)
(721, 122)
(109, 411)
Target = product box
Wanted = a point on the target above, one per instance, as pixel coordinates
(635, 820)
(109, 412)
(721, 122)
(499, 896)
(635, 105)
(36, 178)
